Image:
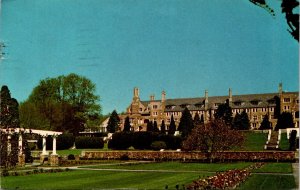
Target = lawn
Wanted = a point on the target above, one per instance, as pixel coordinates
(269, 182)
(284, 142)
(275, 168)
(100, 179)
(177, 166)
(254, 141)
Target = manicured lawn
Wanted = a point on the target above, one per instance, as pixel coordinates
(100, 179)
(275, 168)
(269, 182)
(284, 142)
(177, 166)
(254, 141)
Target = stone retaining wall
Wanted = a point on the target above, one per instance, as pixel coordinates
(191, 156)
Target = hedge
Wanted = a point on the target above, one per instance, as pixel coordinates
(63, 141)
(89, 142)
(142, 140)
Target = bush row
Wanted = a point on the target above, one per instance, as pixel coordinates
(66, 141)
(143, 140)
(5, 173)
(284, 156)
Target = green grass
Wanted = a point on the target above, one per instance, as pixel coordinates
(254, 141)
(284, 142)
(269, 182)
(275, 168)
(177, 166)
(100, 179)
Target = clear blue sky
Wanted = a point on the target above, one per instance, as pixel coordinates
(180, 46)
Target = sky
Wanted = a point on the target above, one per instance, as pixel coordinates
(181, 46)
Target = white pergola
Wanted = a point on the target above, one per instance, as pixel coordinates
(42, 133)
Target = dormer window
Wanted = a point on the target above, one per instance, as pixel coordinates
(184, 105)
(199, 105)
(237, 103)
(254, 102)
(271, 101)
(287, 100)
(217, 104)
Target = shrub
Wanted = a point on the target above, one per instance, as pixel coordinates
(120, 141)
(143, 140)
(172, 142)
(124, 157)
(71, 157)
(65, 141)
(89, 142)
(157, 145)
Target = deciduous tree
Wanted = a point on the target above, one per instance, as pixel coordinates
(212, 137)
(224, 112)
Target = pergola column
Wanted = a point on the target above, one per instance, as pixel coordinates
(44, 146)
(8, 143)
(54, 145)
(20, 144)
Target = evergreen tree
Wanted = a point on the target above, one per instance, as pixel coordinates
(245, 121)
(293, 140)
(127, 125)
(14, 113)
(224, 112)
(197, 120)
(155, 128)
(285, 120)
(163, 127)
(277, 107)
(237, 122)
(172, 127)
(202, 118)
(265, 124)
(150, 126)
(113, 122)
(186, 123)
(5, 99)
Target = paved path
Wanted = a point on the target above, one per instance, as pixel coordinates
(296, 173)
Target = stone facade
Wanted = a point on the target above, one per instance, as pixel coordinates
(256, 106)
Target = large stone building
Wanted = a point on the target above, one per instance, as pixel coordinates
(256, 106)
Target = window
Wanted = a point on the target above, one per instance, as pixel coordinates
(255, 117)
(141, 109)
(286, 100)
(297, 114)
(272, 117)
(297, 101)
(154, 106)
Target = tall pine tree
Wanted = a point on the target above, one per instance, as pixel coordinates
(265, 124)
(186, 123)
(172, 127)
(155, 128)
(197, 120)
(163, 127)
(127, 125)
(113, 122)
(224, 112)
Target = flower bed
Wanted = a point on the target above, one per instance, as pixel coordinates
(192, 156)
(225, 180)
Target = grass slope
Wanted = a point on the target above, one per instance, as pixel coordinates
(100, 179)
(254, 141)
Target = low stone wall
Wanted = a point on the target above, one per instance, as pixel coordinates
(191, 156)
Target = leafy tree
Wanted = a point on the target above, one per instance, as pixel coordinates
(172, 127)
(163, 127)
(113, 122)
(186, 123)
(288, 7)
(224, 112)
(212, 137)
(127, 125)
(265, 124)
(285, 120)
(64, 103)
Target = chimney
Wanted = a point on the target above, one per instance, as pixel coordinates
(230, 96)
(136, 92)
(280, 88)
(152, 97)
(163, 96)
(206, 99)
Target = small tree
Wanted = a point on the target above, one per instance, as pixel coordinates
(293, 140)
(237, 122)
(163, 127)
(127, 125)
(113, 122)
(245, 121)
(186, 123)
(285, 120)
(155, 128)
(172, 127)
(265, 124)
(224, 112)
(212, 137)
(197, 120)
(150, 126)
